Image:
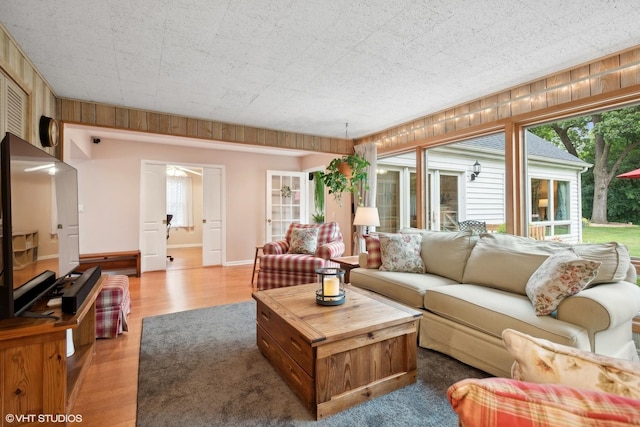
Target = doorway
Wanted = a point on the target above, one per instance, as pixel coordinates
(184, 205)
(286, 202)
(444, 200)
(194, 197)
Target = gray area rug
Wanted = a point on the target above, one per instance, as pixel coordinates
(203, 368)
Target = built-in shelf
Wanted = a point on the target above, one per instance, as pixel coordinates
(25, 249)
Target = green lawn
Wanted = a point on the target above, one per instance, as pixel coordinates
(629, 236)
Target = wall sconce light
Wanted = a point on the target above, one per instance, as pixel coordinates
(477, 168)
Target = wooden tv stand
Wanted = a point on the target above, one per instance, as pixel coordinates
(37, 377)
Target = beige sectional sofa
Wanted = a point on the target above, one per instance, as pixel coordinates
(475, 287)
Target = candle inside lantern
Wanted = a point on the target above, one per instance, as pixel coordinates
(331, 286)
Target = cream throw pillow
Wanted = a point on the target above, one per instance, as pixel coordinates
(303, 241)
(541, 361)
(563, 274)
(401, 252)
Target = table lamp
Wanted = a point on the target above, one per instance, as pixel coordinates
(367, 217)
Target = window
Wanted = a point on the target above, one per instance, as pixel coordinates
(550, 203)
(388, 201)
(396, 196)
(180, 201)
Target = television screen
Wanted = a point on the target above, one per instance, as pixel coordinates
(42, 203)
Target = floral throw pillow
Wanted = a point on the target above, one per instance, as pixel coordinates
(561, 275)
(303, 241)
(374, 256)
(401, 252)
(541, 361)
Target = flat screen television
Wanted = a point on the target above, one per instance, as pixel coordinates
(40, 231)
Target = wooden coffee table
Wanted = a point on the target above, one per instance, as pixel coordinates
(334, 357)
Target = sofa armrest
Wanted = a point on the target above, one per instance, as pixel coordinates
(632, 275)
(278, 247)
(330, 250)
(601, 307)
(363, 259)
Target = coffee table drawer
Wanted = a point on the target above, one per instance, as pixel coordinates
(301, 383)
(287, 337)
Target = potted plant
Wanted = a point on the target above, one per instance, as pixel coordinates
(318, 197)
(338, 182)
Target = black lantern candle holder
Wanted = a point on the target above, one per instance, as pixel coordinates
(330, 286)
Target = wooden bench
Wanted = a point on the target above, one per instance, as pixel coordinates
(124, 262)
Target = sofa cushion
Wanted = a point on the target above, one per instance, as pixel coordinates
(492, 310)
(401, 252)
(561, 275)
(406, 288)
(542, 361)
(506, 262)
(374, 256)
(303, 240)
(497, 402)
(445, 253)
(614, 257)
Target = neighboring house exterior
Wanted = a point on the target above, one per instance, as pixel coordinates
(553, 187)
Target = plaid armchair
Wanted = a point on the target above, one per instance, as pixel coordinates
(279, 268)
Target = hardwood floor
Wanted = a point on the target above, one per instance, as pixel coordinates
(108, 394)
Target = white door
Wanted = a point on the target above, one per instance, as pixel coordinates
(212, 216)
(153, 245)
(68, 236)
(444, 200)
(286, 202)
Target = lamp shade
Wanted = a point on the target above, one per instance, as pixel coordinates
(367, 216)
(543, 203)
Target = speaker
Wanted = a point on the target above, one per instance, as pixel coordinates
(75, 294)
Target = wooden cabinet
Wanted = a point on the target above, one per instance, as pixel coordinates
(37, 377)
(25, 249)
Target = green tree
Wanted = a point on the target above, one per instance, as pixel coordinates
(608, 140)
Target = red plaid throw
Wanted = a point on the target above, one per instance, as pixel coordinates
(501, 402)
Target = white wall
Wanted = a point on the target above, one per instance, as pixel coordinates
(109, 193)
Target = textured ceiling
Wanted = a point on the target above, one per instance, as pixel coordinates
(309, 66)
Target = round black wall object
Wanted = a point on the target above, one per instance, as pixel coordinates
(48, 132)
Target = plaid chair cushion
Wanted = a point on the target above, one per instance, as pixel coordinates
(301, 269)
(279, 279)
(501, 402)
(291, 262)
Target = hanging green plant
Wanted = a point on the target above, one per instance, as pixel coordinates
(338, 181)
(318, 197)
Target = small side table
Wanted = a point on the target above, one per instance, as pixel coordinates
(348, 263)
(256, 263)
